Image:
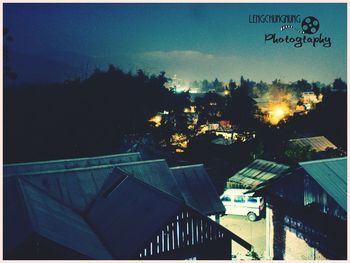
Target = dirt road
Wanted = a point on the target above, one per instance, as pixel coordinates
(252, 232)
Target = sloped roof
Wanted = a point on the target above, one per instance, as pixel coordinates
(74, 187)
(134, 211)
(331, 175)
(122, 210)
(197, 189)
(58, 223)
(257, 172)
(318, 143)
(155, 173)
(24, 168)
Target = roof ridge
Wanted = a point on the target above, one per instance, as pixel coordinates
(84, 168)
(71, 159)
(320, 136)
(141, 162)
(324, 160)
(187, 166)
(64, 170)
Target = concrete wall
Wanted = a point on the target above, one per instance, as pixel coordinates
(283, 244)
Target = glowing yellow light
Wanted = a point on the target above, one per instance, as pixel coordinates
(277, 113)
(191, 109)
(156, 120)
(179, 139)
(226, 92)
(300, 108)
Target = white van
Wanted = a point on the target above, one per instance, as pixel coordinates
(238, 203)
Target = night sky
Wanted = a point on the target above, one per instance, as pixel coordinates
(194, 41)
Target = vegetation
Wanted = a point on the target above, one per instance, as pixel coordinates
(92, 116)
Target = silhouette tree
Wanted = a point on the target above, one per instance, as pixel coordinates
(339, 85)
(9, 74)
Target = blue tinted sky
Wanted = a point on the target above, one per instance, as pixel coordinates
(194, 41)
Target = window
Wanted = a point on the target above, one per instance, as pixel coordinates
(238, 199)
(252, 199)
(226, 199)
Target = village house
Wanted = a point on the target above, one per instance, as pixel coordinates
(112, 207)
(259, 171)
(316, 143)
(306, 211)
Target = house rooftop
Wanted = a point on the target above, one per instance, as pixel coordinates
(197, 189)
(317, 143)
(76, 163)
(257, 173)
(331, 175)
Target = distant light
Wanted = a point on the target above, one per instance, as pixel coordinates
(157, 120)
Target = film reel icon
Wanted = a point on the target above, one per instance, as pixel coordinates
(310, 25)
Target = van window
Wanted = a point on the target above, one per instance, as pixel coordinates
(252, 199)
(226, 198)
(238, 199)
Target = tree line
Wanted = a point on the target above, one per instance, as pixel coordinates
(90, 116)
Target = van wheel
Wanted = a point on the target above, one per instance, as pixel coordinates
(251, 216)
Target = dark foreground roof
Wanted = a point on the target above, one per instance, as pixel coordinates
(95, 212)
(256, 173)
(127, 215)
(331, 175)
(155, 173)
(23, 168)
(197, 189)
(74, 187)
(37, 213)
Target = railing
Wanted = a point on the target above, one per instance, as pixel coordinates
(186, 230)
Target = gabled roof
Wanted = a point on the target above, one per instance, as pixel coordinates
(318, 143)
(74, 187)
(197, 189)
(58, 223)
(331, 175)
(122, 210)
(24, 168)
(257, 172)
(128, 214)
(155, 173)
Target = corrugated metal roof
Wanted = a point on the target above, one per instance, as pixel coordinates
(197, 189)
(257, 172)
(155, 173)
(24, 168)
(75, 188)
(125, 207)
(331, 175)
(318, 143)
(130, 214)
(60, 224)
